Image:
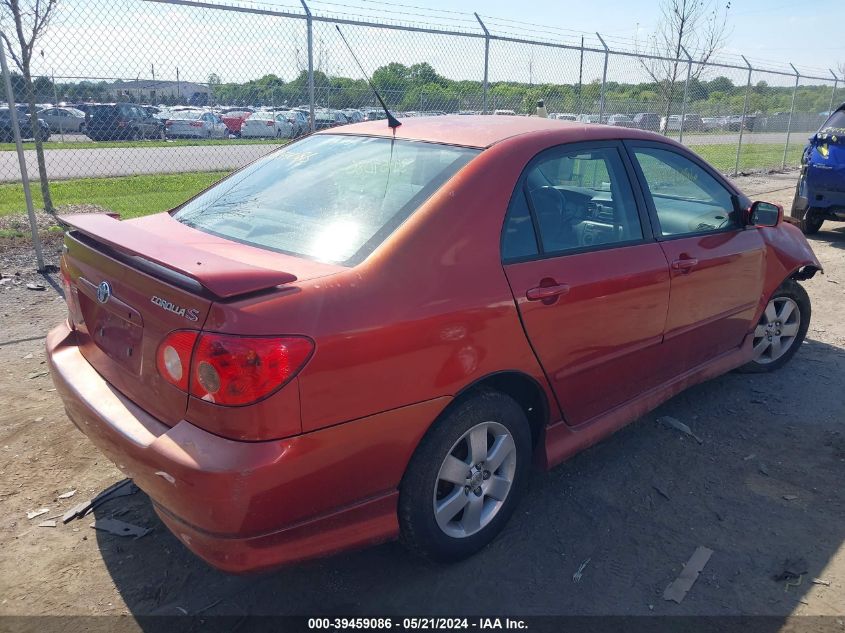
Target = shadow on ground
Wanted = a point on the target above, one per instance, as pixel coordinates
(757, 491)
(832, 233)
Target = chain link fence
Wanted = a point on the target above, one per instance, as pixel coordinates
(194, 89)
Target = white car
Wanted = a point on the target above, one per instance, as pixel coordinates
(268, 124)
(195, 124)
(63, 119)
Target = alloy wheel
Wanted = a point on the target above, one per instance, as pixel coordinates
(777, 330)
(474, 479)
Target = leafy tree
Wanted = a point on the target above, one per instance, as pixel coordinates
(30, 19)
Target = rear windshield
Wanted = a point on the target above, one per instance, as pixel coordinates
(328, 197)
(97, 111)
(263, 116)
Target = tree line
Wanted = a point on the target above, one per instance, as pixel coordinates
(420, 87)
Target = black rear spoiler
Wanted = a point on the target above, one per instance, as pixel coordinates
(222, 277)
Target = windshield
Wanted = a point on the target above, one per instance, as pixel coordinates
(328, 197)
(835, 124)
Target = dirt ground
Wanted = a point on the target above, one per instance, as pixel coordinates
(763, 487)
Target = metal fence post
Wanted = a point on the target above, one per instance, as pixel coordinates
(580, 79)
(310, 27)
(791, 112)
(686, 92)
(744, 112)
(486, 63)
(603, 78)
(833, 93)
(27, 193)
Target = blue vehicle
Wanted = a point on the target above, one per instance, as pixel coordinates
(820, 193)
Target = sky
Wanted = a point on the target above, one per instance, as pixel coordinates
(804, 33)
(131, 39)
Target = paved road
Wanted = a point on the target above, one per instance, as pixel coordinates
(119, 161)
(128, 161)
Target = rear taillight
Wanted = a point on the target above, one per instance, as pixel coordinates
(236, 370)
(168, 123)
(269, 124)
(173, 358)
(230, 370)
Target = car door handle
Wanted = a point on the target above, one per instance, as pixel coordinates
(546, 292)
(685, 265)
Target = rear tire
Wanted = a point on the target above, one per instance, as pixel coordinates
(465, 478)
(781, 329)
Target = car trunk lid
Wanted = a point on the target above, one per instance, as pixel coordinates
(134, 282)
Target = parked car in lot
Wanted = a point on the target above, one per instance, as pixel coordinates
(63, 119)
(372, 332)
(268, 124)
(298, 120)
(234, 120)
(195, 124)
(712, 123)
(647, 121)
(24, 125)
(588, 118)
(737, 121)
(692, 123)
(820, 192)
(620, 120)
(120, 122)
(324, 119)
(563, 116)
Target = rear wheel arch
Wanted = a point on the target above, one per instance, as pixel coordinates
(519, 386)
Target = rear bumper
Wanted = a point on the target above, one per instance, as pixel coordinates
(247, 506)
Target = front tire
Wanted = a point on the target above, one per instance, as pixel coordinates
(811, 222)
(465, 478)
(781, 329)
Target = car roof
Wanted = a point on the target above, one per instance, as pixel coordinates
(484, 131)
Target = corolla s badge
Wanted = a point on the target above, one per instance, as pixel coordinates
(189, 313)
(103, 292)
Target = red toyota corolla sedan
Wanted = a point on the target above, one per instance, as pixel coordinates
(370, 334)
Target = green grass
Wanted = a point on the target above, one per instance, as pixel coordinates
(753, 156)
(131, 196)
(54, 143)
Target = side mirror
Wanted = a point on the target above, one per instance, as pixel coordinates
(765, 214)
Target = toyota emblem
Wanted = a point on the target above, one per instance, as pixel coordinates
(103, 292)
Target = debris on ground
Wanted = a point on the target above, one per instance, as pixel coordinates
(120, 489)
(36, 513)
(790, 497)
(67, 495)
(762, 469)
(48, 523)
(120, 528)
(678, 588)
(37, 374)
(821, 581)
(674, 423)
(660, 490)
(792, 568)
(35, 286)
(576, 577)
